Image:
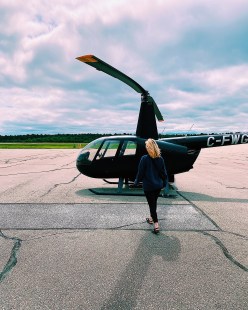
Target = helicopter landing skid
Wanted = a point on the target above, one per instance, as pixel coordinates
(115, 192)
(131, 190)
(127, 188)
(126, 192)
(124, 188)
(126, 182)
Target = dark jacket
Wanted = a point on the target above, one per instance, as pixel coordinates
(148, 173)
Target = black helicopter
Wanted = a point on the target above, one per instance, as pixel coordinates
(119, 156)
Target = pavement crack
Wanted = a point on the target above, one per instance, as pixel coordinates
(35, 172)
(58, 184)
(13, 256)
(14, 165)
(225, 251)
(128, 225)
(234, 187)
(235, 234)
(68, 164)
(199, 210)
(237, 187)
(20, 161)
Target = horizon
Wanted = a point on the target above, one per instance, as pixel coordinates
(133, 134)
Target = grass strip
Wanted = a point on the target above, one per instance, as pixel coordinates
(42, 145)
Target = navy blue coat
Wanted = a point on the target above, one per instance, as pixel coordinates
(148, 173)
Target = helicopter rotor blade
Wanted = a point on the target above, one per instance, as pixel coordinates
(100, 65)
(156, 109)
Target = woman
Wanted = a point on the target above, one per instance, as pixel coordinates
(150, 171)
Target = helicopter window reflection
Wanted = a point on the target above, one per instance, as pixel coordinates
(91, 149)
(128, 148)
(108, 149)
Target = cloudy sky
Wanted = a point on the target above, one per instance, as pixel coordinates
(192, 56)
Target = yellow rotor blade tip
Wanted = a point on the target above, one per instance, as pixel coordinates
(87, 58)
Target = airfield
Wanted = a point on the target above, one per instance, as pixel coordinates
(64, 247)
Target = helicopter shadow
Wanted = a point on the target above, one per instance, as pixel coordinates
(126, 191)
(203, 197)
(127, 289)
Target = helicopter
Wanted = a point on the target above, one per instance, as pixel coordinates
(117, 157)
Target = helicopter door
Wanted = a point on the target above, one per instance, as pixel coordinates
(128, 148)
(106, 157)
(127, 158)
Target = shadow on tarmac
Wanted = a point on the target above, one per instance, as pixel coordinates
(126, 291)
(202, 197)
(186, 195)
(103, 192)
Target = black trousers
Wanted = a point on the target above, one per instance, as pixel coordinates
(152, 197)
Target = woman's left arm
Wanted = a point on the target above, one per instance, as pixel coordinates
(140, 173)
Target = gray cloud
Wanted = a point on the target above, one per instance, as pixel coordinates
(190, 55)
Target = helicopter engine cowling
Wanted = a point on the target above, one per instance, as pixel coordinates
(171, 147)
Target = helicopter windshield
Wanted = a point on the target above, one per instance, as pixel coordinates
(89, 151)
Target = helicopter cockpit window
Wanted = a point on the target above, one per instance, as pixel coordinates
(88, 153)
(128, 148)
(108, 149)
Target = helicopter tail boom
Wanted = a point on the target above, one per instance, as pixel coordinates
(207, 141)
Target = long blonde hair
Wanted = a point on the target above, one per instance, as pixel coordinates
(152, 148)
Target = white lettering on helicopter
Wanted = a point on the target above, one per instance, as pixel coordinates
(227, 140)
(209, 141)
(244, 139)
(235, 139)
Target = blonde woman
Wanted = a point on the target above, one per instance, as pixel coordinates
(150, 169)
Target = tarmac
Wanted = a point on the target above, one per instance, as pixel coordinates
(64, 247)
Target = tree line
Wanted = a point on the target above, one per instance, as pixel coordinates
(56, 138)
(66, 138)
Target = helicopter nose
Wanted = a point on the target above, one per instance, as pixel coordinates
(83, 163)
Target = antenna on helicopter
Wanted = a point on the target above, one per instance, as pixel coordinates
(189, 129)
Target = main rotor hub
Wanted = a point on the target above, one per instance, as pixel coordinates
(144, 96)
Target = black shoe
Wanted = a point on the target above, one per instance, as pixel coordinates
(149, 221)
(156, 231)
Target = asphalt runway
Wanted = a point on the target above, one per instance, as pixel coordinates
(64, 247)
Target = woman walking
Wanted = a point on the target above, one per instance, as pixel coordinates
(152, 173)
